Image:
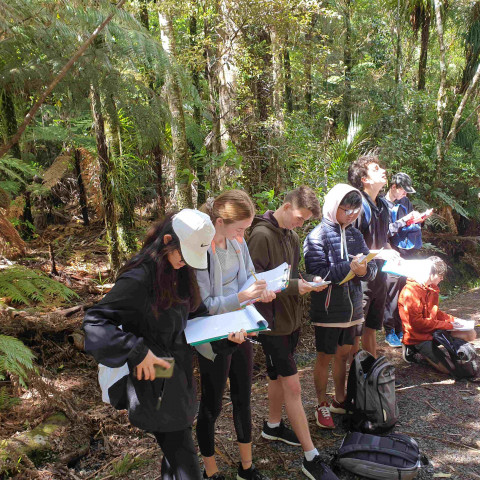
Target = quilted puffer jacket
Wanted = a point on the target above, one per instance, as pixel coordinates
(327, 249)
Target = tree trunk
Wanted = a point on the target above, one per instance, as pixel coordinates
(347, 60)
(181, 152)
(441, 97)
(453, 128)
(81, 187)
(288, 80)
(106, 171)
(144, 14)
(157, 164)
(472, 48)
(277, 77)
(197, 114)
(425, 37)
(8, 108)
(307, 70)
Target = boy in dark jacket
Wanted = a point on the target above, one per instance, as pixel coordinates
(369, 177)
(333, 249)
(272, 241)
(406, 238)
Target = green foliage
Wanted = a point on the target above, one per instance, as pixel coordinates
(24, 285)
(6, 400)
(15, 358)
(127, 464)
(14, 174)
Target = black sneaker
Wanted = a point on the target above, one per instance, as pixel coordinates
(250, 474)
(408, 354)
(317, 470)
(215, 476)
(282, 433)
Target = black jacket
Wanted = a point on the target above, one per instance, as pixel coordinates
(161, 405)
(322, 251)
(374, 225)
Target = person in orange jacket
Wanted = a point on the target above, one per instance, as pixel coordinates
(418, 309)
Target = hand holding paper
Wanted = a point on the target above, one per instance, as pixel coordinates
(359, 269)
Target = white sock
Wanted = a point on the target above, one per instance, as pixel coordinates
(273, 425)
(311, 454)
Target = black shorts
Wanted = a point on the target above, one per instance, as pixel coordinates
(279, 350)
(374, 297)
(327, 339)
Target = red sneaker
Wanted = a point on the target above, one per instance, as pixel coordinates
(323, 417)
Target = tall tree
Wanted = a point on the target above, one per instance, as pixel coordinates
(106, 174)
(181, 152)
(441, 96)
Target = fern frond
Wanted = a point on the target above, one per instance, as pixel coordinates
(23, 285)
(15, 357)
(451, 202)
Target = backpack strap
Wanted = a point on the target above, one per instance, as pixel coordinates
(367, 210)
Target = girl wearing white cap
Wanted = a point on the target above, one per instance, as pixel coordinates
(229, 267)
(141, 320)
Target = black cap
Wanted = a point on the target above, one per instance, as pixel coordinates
(404, 181)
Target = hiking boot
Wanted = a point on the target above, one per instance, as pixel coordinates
(215, 476)
(323, 416)
(317, 470)
(338, 407)
(393, 340)
(408, 354)
(250, 474)
(281, 433)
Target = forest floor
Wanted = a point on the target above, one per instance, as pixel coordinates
(442, 414)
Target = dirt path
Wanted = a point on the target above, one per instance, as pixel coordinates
(441, 414)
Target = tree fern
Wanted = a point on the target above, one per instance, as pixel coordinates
(15, 358)
(450, 201)
(24, 285)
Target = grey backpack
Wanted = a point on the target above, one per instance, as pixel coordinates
(371, 394)
(391, 457)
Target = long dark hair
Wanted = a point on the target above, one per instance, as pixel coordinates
(171, 286)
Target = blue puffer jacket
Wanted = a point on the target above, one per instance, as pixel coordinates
(327, 249)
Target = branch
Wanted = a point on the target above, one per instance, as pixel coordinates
(453, 129)
(31, 114)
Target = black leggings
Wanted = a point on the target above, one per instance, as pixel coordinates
(238, 367)
(180, 460)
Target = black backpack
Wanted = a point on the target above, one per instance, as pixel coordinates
(457, 355)
(371, 394)
(393, 456)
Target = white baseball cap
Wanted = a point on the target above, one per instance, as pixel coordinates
(195, 231)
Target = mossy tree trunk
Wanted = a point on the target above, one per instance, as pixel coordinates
(106, 177)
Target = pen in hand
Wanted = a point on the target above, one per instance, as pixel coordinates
(254, 276)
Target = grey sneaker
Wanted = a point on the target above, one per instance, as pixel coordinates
(281, 433)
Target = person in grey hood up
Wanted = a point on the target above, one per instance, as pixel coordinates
(331, 250)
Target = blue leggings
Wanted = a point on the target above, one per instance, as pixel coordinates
(238, 367)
